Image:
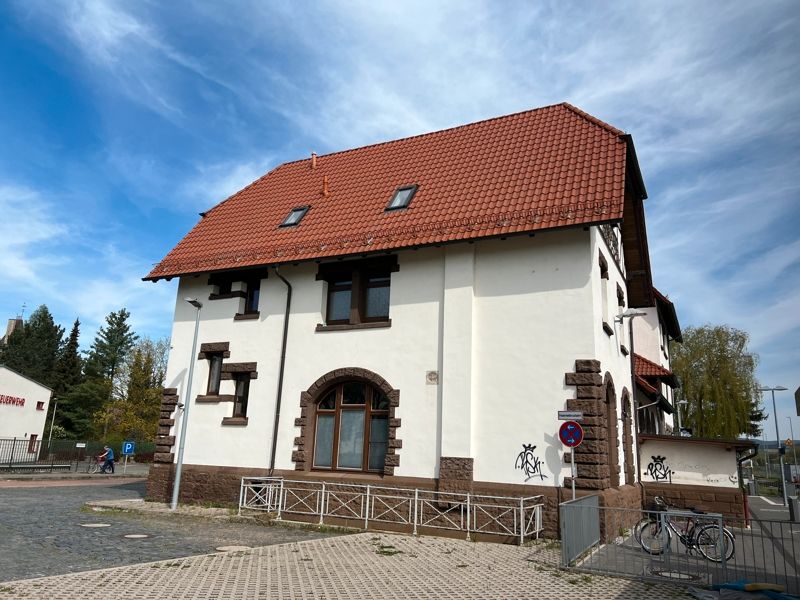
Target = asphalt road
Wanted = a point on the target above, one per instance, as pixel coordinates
(43, 530)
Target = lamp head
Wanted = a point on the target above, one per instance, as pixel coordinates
(194, 302)
(777, 388)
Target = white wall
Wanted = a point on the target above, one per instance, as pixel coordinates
(25, 420)
(532, 320)
(502, 321)
(607, 347)
(691, 463)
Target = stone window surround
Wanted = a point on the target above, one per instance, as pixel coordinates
(304, 442)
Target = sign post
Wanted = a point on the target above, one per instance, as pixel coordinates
(571, 435)
(128, 448)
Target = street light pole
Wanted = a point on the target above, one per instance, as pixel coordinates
(186, 403)
(778, 388)
(678, 410)
(794, 447)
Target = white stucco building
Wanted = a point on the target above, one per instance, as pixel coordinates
(415, 313)
(23, 407)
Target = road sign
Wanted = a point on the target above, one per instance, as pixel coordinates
(570, 433)
(80, 445)
(570, 415)
(128, 448)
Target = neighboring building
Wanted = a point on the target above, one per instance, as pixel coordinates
(13, 325)
(655, 382)
(414, 313)
(23, 407)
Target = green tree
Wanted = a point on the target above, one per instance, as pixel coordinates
(717, 375)
(110, 346)
(136, 414)
(69, 366)
(78, 407)
(34, 349)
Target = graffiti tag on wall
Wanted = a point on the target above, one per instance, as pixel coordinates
(529, 463)
(658, 470)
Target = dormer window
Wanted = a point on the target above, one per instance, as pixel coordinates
(402, 197)
(295, 216)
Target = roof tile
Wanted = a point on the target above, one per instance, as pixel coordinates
(550, 167)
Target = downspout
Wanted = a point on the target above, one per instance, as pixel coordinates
(281, 368)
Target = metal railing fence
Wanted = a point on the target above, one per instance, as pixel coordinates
(767, 551)
(22, 455)
(519, 517)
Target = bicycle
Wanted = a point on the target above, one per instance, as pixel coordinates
(654, 538)
(98, 466)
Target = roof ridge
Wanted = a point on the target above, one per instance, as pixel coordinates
(592, 119)
(438, 131)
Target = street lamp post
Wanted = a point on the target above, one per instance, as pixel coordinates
(186, 403)
(777, 388)
(794, 447)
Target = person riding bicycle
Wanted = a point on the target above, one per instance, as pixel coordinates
(108, 455)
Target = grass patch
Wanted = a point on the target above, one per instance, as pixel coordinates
(387, 550)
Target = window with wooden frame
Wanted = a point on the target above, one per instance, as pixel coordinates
(242, 394)
(32, 446)
(351, 429)
(251, 299)
(214, 373)
(358, 291)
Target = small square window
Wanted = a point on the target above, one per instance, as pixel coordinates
(40, 406)
(295, 216)
(402, 197)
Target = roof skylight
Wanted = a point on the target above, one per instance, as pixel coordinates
(295, 216)
(402, 197)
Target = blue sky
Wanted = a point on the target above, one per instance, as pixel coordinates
(120, 121)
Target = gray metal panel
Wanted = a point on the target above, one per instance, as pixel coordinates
(580, 527)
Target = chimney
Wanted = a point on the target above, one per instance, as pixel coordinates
(313, 160)
(325, 191)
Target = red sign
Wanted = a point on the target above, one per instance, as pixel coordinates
(570, 433)
(12, 400)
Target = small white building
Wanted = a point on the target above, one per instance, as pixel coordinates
(23, 407)
(415, 314)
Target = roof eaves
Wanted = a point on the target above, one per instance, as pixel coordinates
(667, 309)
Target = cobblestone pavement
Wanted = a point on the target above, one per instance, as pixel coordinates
(42, 532)
(366, 565)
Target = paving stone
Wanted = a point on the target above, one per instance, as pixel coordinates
(366, 565)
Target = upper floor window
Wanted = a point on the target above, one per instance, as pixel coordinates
(351, 428)
(358, 291)
(40, 406)
(402, 197)
(251, 299)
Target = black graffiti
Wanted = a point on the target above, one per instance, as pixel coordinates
(658, 470)
(529, 463)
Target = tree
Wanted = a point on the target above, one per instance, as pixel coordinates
(78, 407)
(33, 349)
(717, 375)
(69, 366)
(110, 346)
(136, 414)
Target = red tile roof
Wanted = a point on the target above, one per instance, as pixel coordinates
(545, 168)
(647, 368)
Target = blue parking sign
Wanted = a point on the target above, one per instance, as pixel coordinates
(128, 448)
